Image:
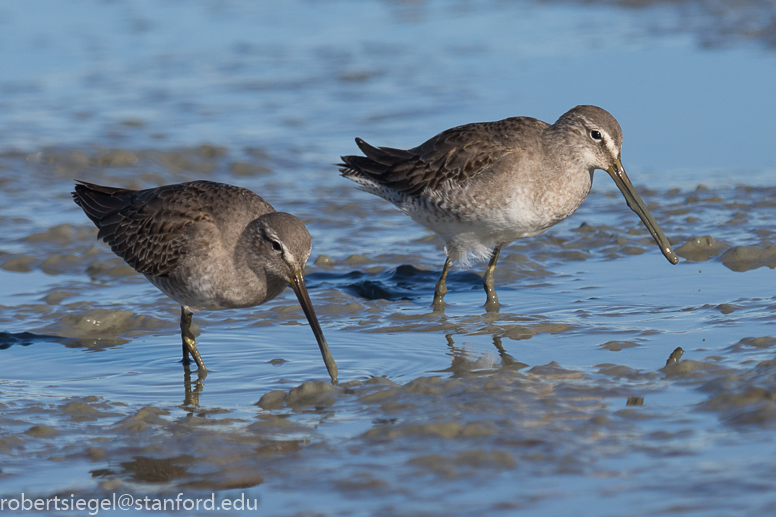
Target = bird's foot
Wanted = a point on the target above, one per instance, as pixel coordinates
(491, 303)
(439, 296)
(190, 347)
(439, 302)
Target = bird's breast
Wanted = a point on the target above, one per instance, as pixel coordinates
(545, 201)
(216, 286)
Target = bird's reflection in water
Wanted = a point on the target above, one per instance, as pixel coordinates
(507, 361)
(192, 389)
(463, 363)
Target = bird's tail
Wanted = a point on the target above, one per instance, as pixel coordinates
(375, 162)
(98, 201)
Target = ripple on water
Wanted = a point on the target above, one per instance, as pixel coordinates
(479, 429)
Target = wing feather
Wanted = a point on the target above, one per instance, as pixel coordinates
(147, 228)
(454, 156)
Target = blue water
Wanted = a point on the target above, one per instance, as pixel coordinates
(268, 96)
(251, 74)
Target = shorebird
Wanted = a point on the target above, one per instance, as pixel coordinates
(481, 186)
(206, 245)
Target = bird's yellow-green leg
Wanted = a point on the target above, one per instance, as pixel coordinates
(189, 345)
(441, 286)
(491, 304)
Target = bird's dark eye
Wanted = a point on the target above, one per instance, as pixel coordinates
(595, 135)
(276, 246)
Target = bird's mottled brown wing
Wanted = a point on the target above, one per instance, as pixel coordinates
(148, 228)
(456, 155)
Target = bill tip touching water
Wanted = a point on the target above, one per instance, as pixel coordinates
(481, 186)
(206, 245)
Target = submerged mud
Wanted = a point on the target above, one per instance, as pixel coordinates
(480, 427)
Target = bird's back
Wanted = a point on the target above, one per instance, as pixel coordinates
(151, 229)
(454, 157)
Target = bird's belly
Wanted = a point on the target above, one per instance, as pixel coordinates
(208, 292)
(494, 220)
(526, 218)
(471, 226)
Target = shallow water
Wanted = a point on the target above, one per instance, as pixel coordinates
(561, 404)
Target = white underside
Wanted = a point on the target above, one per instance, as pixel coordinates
(472, 226)
(471, 238)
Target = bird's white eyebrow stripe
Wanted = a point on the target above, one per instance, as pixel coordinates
(610, 144)
(287, 255)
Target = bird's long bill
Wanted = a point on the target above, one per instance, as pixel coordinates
(297, 284)
(617, 172)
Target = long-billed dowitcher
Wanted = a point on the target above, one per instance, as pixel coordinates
(206, 245)
(481, 186)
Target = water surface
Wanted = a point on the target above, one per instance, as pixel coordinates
(562, 403)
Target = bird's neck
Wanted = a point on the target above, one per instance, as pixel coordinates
(256, 283)
(568, 174)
